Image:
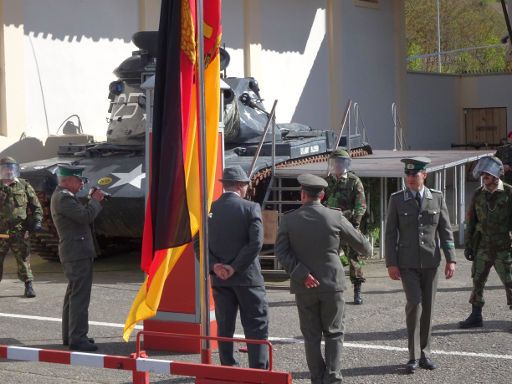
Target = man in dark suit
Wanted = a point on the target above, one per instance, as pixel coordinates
(73, 221)
(307, 246)
(417, 227)
(235, 239)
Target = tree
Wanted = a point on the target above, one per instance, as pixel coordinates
(465, 25)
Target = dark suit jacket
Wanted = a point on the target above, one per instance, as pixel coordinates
(235, 237)
(415, 236)
(73, 222)
(308, 241)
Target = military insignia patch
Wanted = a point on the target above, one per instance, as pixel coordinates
(105, 181)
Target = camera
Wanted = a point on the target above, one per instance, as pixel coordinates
(106, 195)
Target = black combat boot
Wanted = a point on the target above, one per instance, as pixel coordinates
(29, 290)
(474, 320)
(357, 294)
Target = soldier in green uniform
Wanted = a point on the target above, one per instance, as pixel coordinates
(345, 191)
(504, 153)
(20, 211)
(487, 236)
(417, 228)
(307, 246)
(73, 221)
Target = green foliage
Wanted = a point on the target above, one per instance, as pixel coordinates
(464, 24)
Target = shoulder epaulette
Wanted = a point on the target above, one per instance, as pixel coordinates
(435, 190)
(397, 192)
(66, 192)
(336, 209)
(291, 210)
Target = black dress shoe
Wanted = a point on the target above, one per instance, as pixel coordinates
(426, 363)
(66, 342)
(411, 366)
(84, 346)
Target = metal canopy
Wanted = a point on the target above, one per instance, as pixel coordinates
(386, 163)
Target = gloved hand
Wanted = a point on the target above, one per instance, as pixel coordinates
(469, 254)
(36, 226)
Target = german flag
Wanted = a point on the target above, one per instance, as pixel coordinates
(173, 215)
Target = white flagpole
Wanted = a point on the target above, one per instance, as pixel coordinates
(206, 354)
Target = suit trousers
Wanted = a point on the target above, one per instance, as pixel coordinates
(322, 314)
(253, 307)
(75, 311)
(420, 287)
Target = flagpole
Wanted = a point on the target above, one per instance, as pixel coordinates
(206, 353)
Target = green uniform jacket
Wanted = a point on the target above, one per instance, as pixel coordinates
(308, 241)
(489, 219)
(414, 237)
(18, 202)
(347, 194)
(73, 222)
(504, 153)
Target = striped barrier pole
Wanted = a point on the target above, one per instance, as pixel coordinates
(141, 366)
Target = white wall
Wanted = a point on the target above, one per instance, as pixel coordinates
(433, 110)
(77, 45)
(312, 55)
(367, 63)
(286, 39)
(435, 105)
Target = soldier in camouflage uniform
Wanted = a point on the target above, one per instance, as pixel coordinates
(504, 153)
(345, 191)
(20, 211)
(488, 227)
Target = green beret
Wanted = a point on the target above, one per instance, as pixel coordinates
(416, 164)
(311, 182)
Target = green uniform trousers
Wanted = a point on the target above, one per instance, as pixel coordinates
(75, 311)
(484, 260)
(420, 287)
(354, 262)
(322, 314)
(21, 250)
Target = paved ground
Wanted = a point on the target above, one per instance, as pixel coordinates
(375, 338)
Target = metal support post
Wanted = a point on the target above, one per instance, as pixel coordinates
(462, 202)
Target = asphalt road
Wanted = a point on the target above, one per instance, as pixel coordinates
(375, 342)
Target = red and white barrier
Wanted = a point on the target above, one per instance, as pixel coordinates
(141, 366)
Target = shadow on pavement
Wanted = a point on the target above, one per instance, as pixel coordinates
(490, 326)
(374, 371)
(398, 334)
(454, 289)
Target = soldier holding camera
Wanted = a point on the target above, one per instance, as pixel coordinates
(73, 221)
(20, 211)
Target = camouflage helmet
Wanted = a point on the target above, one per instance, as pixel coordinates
(340, 153)
(489, 164)
(8, 160)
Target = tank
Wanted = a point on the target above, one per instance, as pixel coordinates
(118, 165)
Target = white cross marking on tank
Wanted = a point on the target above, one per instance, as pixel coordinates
(133, 177)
